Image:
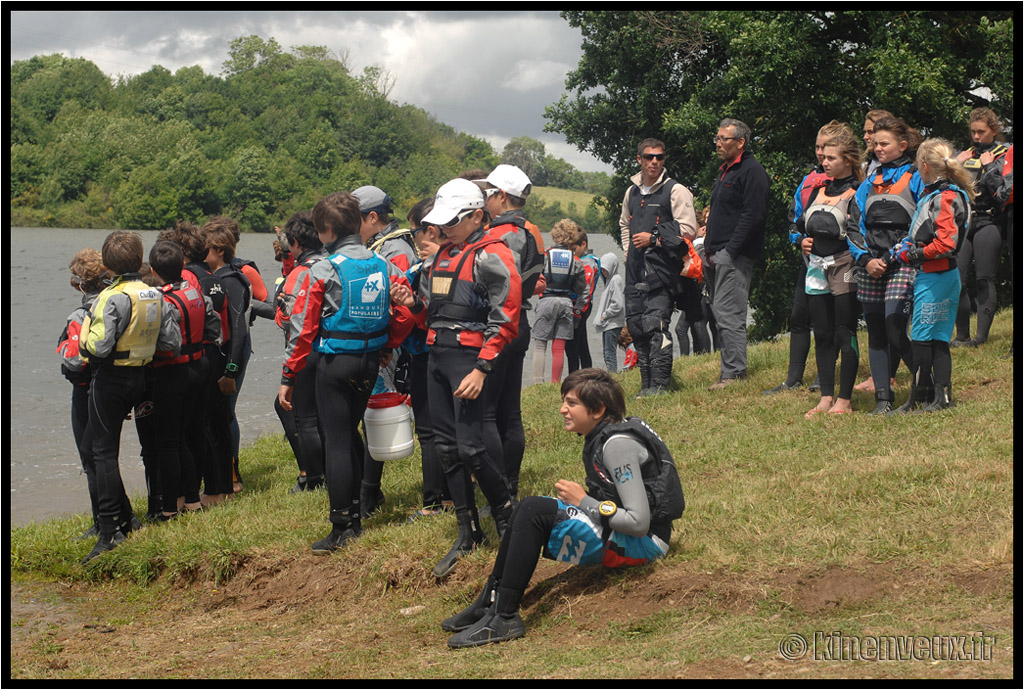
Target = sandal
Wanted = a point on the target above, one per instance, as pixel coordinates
(424, 513)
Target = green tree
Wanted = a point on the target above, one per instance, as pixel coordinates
(269, 136)
(528, 155)
(675, 75)
(249, 52)
(146, 200)
(42, 85)
(248, 193)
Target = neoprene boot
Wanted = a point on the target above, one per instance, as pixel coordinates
(344, 529)
(469, 538)
(300, 484)
(919, 395)
(501, 517)
(108, 541)
(643, 363)
(943, 399)
(472, 613)
(883, 402)
(314, 483)
(371, 498)
(661, 366)
(500, 624)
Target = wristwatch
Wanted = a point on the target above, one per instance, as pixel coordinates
(607, 508)
(485, 365)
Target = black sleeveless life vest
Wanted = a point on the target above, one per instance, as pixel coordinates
(647, 213)
(661, 480)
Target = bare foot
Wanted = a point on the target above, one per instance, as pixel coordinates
(823, 406)
(867, 385)
(212, 499)
(842, 406)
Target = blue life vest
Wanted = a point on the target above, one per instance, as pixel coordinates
(361, 322)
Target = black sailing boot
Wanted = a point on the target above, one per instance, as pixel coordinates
(501, 622)
(371, 498)
(110, 538)
(501, 517)
(883, 403)
(661, 368)
(943, 399)
(472, 613)
(643, 363)
(919, 395)
(469, 537)
(344, 529)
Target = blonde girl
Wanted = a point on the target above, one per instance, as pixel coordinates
(937, 232)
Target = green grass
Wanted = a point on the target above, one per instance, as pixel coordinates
(899, 526)
(549, 195)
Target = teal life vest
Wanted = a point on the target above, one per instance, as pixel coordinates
(361, 322)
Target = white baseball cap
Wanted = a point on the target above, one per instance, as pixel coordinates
(452, 198)
(511, 180)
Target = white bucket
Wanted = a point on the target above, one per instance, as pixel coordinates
(388, 423)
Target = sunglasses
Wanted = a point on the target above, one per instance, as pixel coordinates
(654, 156)
(459, 218)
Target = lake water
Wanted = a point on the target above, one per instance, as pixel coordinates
(45, 470)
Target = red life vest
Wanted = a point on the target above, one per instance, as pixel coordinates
(189, 301)
(812, 181)
(456, 296)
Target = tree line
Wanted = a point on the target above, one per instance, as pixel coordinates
(269, 137)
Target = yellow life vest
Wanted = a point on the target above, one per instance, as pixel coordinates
(136, 346)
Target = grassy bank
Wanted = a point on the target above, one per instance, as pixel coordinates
(867, 528)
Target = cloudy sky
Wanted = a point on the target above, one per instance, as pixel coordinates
(489, 74)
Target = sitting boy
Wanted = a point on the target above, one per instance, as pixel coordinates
(622, 518)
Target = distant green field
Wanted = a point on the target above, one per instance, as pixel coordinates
(549, 195)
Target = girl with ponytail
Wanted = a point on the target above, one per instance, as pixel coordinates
(937, 232)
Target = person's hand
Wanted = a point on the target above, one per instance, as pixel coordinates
(964, 155)
(402, 295)
(471, 385)
(227, 386)
(642, 239)
(284, 396)
(876, 268)
(806, 244)
(570, 492)
(542, 285)
(986, 158)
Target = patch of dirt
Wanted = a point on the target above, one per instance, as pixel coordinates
(835, 587)
(290, 616)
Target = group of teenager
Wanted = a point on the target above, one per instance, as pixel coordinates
(165, 342)
(890, 234)
(442, 306)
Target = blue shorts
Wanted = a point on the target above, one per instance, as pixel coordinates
(575, 539)
(936, 296)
